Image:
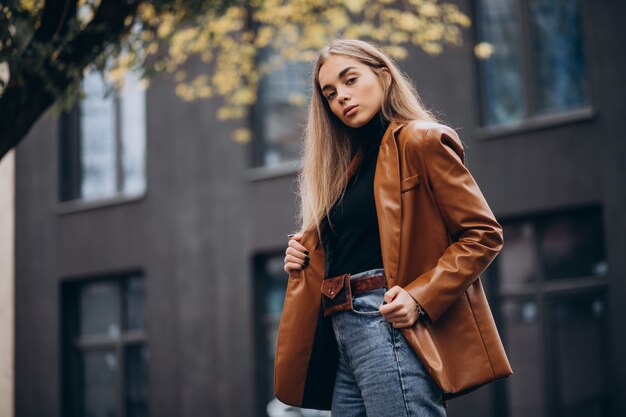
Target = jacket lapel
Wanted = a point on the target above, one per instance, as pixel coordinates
(386, 196)
(388, 200)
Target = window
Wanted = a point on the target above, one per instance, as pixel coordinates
(534, 63)
(270, 282)
(552, 312)
(103, 142)
(278, 121)
(105, 352)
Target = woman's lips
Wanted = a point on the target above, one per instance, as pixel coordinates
(351, 111)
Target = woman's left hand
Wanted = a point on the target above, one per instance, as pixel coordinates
(401, 309)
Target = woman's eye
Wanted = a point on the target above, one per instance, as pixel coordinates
(351, 80)
(330, 96)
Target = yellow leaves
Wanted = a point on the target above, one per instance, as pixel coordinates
(355, 6)
(33, 7)
(180, 76)
(397, 52)
(116, 76)
(337, 18)
(225, 113)
(152, 48)
(147, 13)
(297, 99)
(432, 48)
(185, 92)
(264, 36)
(5, 75)
(484, 50)
(291, 31)
(166, 27)
(429, 10)
(241, 135)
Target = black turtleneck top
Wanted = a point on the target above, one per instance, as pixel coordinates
(352, 245)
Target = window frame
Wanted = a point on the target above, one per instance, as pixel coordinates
(257, 169)
(69, 172)
(545, 293)
(533, 120)
(74, 345)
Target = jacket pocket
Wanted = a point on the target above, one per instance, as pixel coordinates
(409, 183)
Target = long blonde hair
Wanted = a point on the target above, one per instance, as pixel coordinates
(327, 147)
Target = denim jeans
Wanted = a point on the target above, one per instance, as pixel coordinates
(378, 374)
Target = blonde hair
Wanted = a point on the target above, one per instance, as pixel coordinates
(327, 147)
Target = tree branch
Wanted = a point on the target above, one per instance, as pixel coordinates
(28, 95)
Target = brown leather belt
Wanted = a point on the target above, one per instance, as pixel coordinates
(362, 284)
(337, 291)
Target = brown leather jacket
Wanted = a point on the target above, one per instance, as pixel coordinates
(437, 235)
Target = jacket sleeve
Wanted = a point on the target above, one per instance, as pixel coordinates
(476, 236)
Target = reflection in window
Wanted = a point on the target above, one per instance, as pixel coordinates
(97, 139)
(105, 354)
(279, 121)
(580, 355)
(536, 63)
(99, 374)
(501, 73)
(559, 62)
(104, 142)
(565, 245)
(552, 306)
(523, 330)
(520, 263)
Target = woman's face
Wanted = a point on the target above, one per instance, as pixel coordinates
(351, 89)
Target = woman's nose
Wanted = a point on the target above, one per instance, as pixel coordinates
(343, 95)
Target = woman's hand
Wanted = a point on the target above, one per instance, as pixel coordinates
(296, 255)
(401, 309)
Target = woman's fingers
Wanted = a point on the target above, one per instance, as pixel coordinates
(296, 255)
(292, 262)
(290, 266)
(297, 246)
(296, 252)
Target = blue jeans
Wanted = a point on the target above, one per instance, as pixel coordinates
(378, 374)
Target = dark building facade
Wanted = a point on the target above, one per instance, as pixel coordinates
(149, 246)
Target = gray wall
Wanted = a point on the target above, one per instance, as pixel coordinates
(205, 215)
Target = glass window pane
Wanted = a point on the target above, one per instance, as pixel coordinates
(280, 121)
(136, 363)
(501, 77)
(572, 245)
(133, 130)
(99, 309)
(559, 60)
(518, 262)
(99, 383)
(97, 139)
(134, 304)
(579, 355)
(522, 331)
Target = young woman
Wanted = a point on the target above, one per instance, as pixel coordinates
(384, 314)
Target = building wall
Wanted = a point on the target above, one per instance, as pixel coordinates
(7, 283)
(205, 216)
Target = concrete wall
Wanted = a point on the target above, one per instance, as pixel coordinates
(7, 278)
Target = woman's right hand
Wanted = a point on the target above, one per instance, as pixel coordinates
(296, 255)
